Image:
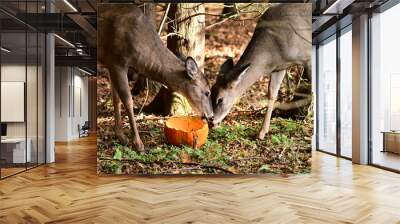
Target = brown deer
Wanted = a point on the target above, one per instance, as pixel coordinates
(282, 38)
(128, 40)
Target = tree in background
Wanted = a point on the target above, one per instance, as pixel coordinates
(186, 37)
(187, 26)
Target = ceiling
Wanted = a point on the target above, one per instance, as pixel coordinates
(76, 20)
(332, 15)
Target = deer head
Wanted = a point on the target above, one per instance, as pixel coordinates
(225, 90)
(196, 89)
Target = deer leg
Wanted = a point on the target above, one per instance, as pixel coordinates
(117, 111)
(275, 82)
(308, 69)
(117, 115)
(120, 82)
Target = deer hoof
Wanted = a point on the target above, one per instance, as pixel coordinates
(261, 135)
(139, 146)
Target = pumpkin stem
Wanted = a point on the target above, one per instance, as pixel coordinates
(194, 140)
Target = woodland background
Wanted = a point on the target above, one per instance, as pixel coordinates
(231, 148)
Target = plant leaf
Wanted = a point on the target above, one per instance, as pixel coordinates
(118, 154)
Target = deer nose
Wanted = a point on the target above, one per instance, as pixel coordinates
(209, 117)
(210, 122)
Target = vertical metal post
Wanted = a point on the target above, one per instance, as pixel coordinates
(0, 95)
(338, 80)
(26, 86)
(316, 97)
(369, 96)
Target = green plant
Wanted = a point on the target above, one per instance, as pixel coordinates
(232, 146)
(282, 140)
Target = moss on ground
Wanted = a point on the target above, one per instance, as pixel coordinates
(232, 147)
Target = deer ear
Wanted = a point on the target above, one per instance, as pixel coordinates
(242, 71)
(192, 69)
(226, 66)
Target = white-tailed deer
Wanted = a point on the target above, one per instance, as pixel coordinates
(128, 40)
(282, 38)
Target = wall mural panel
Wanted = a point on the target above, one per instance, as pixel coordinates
(193, 88)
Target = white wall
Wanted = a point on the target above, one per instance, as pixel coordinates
(12, 73)
(71, 102)
(33, 127)
(62, 81)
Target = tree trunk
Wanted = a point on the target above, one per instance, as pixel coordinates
(189, 41)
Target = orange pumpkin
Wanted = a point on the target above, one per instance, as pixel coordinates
(190, 131)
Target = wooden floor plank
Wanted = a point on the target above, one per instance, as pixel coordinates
(70, 191)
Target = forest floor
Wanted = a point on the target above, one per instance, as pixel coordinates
(232, 147)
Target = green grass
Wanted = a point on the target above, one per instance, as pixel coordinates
(231, 147)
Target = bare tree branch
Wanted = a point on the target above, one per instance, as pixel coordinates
(164, 18)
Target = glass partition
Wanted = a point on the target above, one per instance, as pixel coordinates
(22, 101)
(14, 153)
(346, 92)
(385, 89)
(326, 95)
(41, 97)
(32, 97)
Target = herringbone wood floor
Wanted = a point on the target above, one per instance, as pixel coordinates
(70, 191)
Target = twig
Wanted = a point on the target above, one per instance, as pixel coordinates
(188, 164)
(247, 111)
(248, 158)
(170, 34)
(206, 166)
(164, 18)
(147, 96)
(301, 94)
(183, 169)
(278, 105)
(197, 14)
(301, 76)
(212, 25)
(153, 118)
(245, 6)
(195, 6)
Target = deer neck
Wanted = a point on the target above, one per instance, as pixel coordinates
(259, 67)
(174, 76)
(167, 70)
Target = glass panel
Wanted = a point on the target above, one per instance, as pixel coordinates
(41, 99)
(23, 90)
(327, 96)
(13, 86)
(31, 97)
(385, 84)
(32, 88)
(346, 93)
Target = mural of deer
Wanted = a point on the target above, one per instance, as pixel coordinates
(282, 38)
(128, 40)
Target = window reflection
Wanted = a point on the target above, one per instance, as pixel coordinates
(385, 84)
(327, 95)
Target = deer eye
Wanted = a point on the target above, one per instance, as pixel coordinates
(219, 101)
(207, 93)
